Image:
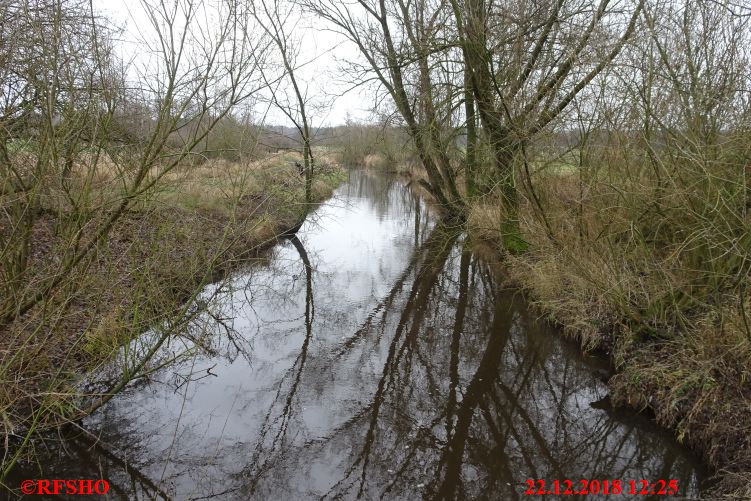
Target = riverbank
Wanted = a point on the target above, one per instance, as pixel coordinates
(202, 222)
(675, 355)
(685, 363)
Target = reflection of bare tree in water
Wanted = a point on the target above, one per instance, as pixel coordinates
(426, 263)
(435, 251)
(459, 418)
(263, 455)
(466, 403)
(139, 483)
(462, 406)
(384, 194)
(83, 450)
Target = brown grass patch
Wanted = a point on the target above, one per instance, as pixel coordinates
(638, 294)
(203, 221)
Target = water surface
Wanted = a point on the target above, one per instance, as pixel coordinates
(374, 356)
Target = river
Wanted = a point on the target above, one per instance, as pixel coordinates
(375, 355)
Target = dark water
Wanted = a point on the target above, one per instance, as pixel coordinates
(375, 357)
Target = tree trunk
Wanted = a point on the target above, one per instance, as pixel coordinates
(470, 169)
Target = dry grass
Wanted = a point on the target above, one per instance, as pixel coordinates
(375, 161)
(484, 221)
(622, 270)
(404, 167)
(203, 221)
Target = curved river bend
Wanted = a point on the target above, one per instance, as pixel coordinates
(375, 356)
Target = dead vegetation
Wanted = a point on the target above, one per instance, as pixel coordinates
(205, 221)
(125, 188)
(654, 282)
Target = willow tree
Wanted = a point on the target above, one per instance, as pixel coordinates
(527, 62)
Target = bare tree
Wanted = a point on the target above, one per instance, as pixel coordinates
(279, 20)
(64, 100)
(74, 114)
(397, 40)
(527, 62)
(524, 63)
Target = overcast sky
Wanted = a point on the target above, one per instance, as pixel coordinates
(320, 52)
